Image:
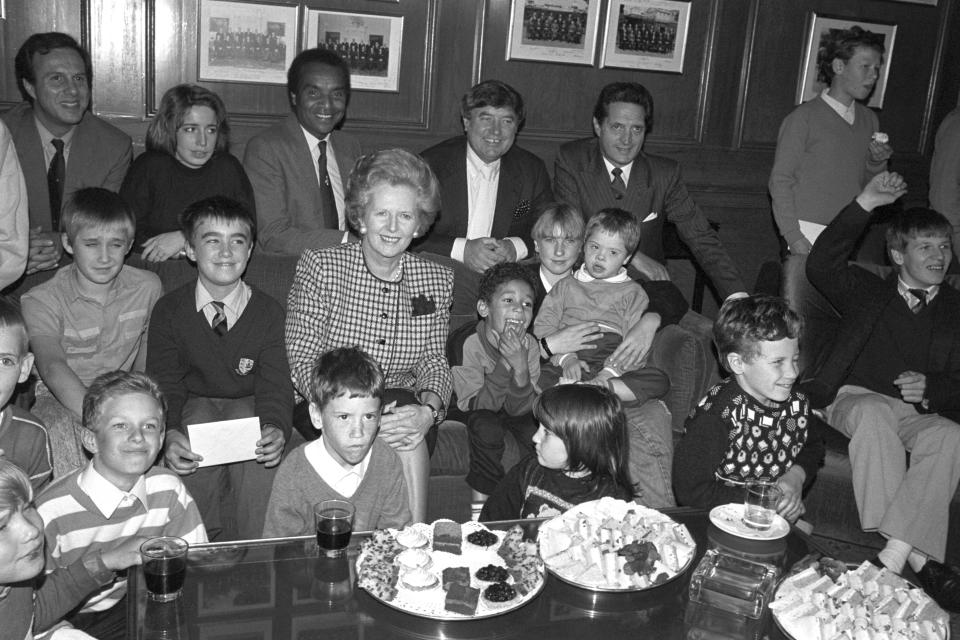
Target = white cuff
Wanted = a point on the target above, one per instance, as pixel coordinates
(459, 245)
(520, 247)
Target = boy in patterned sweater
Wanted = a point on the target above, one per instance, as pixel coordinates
(120, 497)
(754, 425)
(217, 350)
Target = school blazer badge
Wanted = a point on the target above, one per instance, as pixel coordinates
(245, 366)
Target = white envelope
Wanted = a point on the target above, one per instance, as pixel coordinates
(225, 441)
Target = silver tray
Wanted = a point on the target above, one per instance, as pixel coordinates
(617, 509)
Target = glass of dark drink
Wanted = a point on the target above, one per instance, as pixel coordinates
(334, 520)
(164, 567)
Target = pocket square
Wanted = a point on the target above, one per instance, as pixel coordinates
(522, 209)
(423, 305)
(650, 218)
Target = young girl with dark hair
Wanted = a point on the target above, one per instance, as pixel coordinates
(581, 455)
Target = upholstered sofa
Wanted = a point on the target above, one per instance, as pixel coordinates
(683, 351)
(830, 503)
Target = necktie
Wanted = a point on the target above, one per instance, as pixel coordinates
(921, 296)
(328, 205)
(619, 186)
(219, 322)
(55, 177)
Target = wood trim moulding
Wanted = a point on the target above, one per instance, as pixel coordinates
(743, 89)
(924, 146)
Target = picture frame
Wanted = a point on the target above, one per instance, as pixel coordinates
(249, 42)
(649, 35)
(374, 61)
(818, 27)
(553, 30)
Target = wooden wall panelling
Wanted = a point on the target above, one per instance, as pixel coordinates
(775, 67)
(117, 51)
(25, 17)
(560, 97)
(175, 60)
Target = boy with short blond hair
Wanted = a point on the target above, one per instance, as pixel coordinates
(754, 425)
(23, 438)
(217, 351)
(120, 494)
(348, 461)
(91, 317)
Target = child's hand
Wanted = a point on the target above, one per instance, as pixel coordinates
(912, 385)
(178, 454)
(791, 504)
(126, 554)
(880, 151)
(270, 446)
(511, 346)
(573, 368)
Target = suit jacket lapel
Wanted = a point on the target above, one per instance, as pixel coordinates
(34, 166)
(508, 195)
(940, 337)
(302, 162)
(639, 200)
(455, 188)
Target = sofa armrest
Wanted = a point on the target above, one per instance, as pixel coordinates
(686, 356)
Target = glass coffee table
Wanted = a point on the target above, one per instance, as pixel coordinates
(280, 589)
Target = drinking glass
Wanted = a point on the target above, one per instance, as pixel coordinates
(760, 504)
(164, 567)
(334, 521)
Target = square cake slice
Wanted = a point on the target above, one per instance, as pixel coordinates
(447, 536)
(461, 599)
(456, 575)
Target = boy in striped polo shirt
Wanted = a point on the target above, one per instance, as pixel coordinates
(118, 495)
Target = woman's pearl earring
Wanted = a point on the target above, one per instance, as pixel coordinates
(363, 230)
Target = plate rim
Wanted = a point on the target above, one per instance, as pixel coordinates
(734, 532)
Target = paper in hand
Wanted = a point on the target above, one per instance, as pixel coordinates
(225, 441)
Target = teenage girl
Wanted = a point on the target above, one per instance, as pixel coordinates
(581, 455)
(25, 607)
(187, 159)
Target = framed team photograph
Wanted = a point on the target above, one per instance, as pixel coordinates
(553, 30)
(819, 29)
(646, 34)
(369, 43)
(246, 41)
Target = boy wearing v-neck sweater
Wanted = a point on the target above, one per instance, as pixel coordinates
(219, 354)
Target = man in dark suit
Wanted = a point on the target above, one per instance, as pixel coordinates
(890, 381)
(61, 146)
(491, 190)
(611, 170)
(299, 167)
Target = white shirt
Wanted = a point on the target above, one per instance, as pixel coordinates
(625, 170)
(912, 300)
(333, 172)
(847, 112)
(483, 181)
(46, 142)
(343, 480)
(105, 495)
(233, 303)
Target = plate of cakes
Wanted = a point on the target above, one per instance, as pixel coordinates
(612, 545)
(450, 571)
(825, 599)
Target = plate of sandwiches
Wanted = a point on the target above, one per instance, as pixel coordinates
(612, 545)
(829, 599)
(450, 571)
